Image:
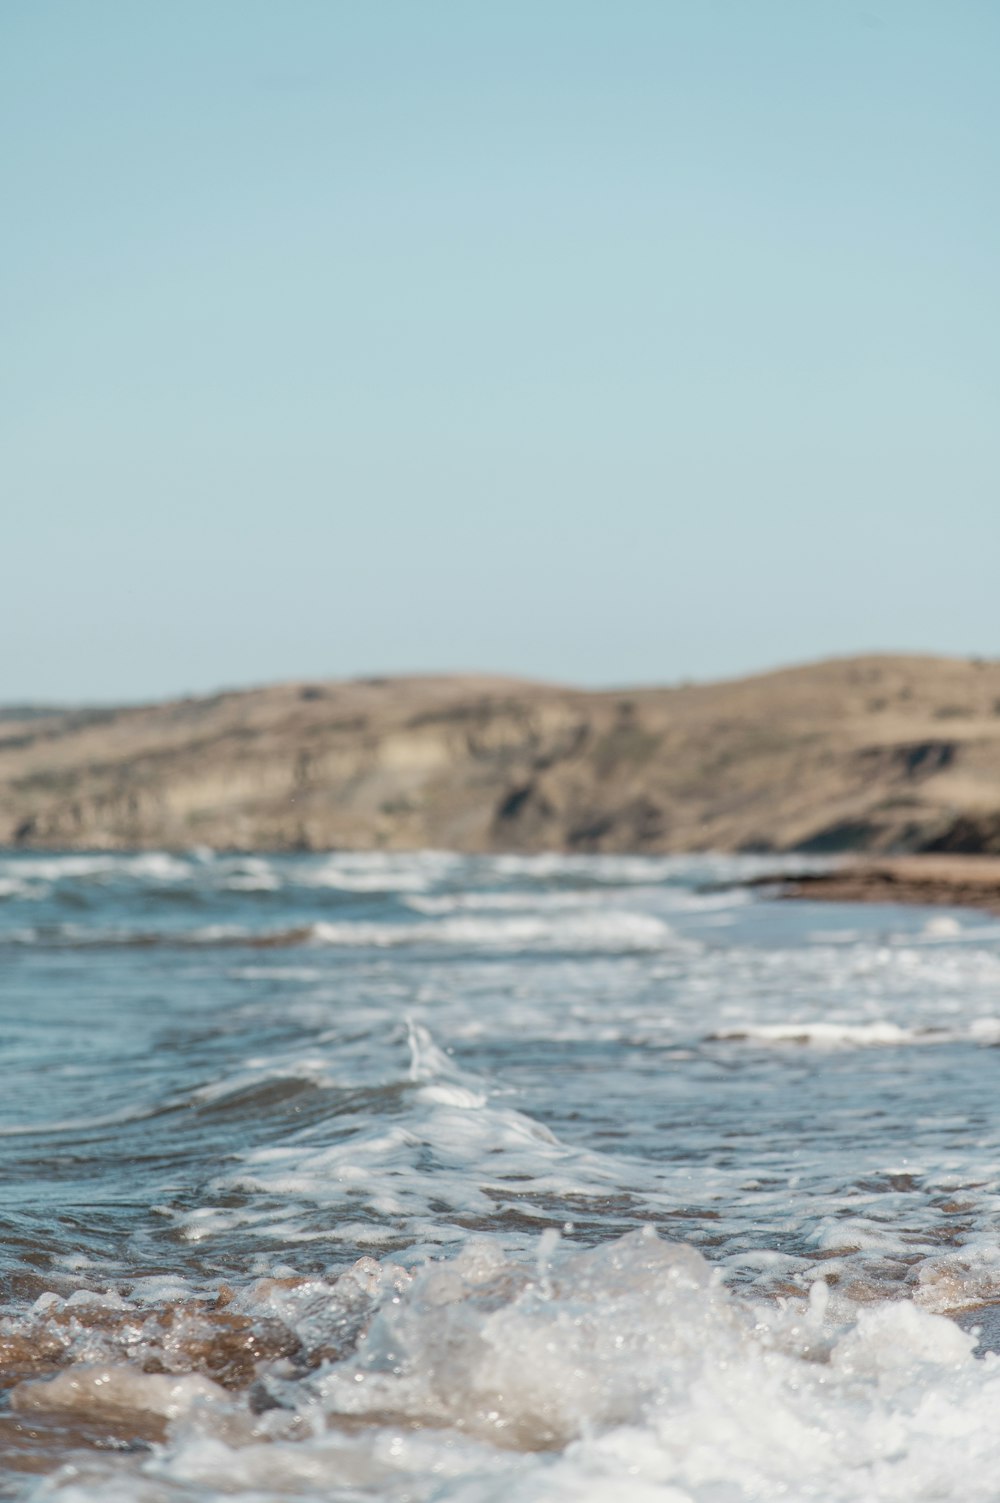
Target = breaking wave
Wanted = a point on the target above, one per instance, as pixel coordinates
(483, 1377)
(462, 1180)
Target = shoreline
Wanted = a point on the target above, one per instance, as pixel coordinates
(932, 881)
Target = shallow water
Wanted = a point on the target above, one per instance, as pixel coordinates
(436, 1178)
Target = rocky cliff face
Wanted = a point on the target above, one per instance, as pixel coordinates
(881, 753)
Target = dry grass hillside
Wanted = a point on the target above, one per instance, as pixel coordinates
(875, 753)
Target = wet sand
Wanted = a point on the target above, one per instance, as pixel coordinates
(939, 881)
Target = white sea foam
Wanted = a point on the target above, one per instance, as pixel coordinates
(537, 1045)
(943, 929)
(304, 973)
(55, 868)
(857, 1036)
(624, 871)
(507, 902)
(825, 1035)
(602, 930)
(456, 1154)
(624, 1371)
(377, 871)
(154, 866)
(11, 887)
(832, 1035)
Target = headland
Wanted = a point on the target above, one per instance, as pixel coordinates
(881, 754)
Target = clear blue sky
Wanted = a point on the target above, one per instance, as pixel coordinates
(608, 342)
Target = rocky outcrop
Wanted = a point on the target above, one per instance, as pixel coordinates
(959, 881)
(879, 753)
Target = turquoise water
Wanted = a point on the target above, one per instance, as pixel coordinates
(507, 1177)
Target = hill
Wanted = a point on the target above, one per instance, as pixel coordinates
(876, 753)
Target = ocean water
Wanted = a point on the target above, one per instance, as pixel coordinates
(422, 1177)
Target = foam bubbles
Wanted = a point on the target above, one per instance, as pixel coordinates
(468, 1179)
(605, 930)
(626, 1368)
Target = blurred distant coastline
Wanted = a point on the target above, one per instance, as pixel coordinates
(874, 754)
